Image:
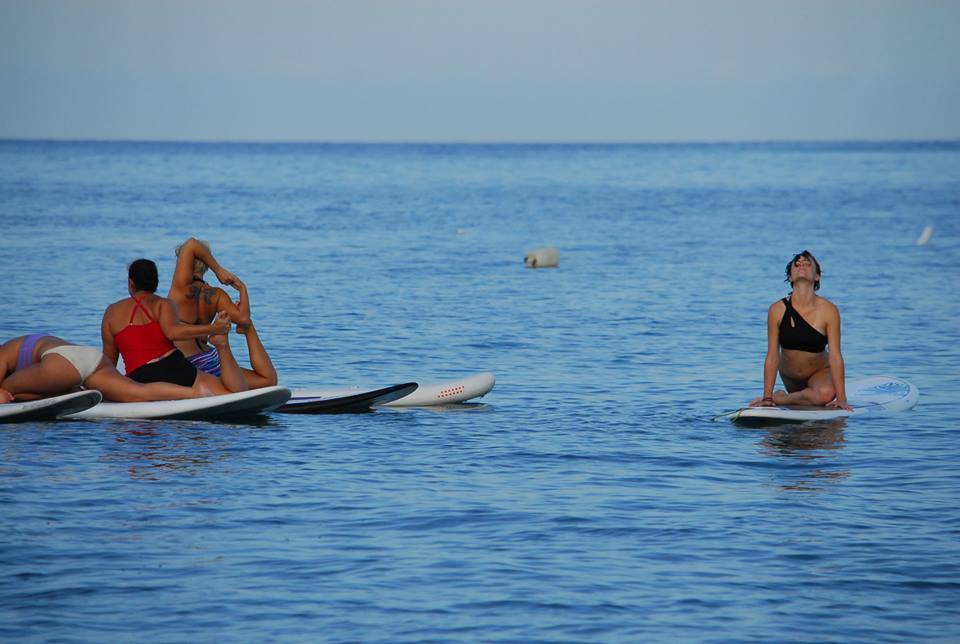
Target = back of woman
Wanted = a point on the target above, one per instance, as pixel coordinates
(141, 329)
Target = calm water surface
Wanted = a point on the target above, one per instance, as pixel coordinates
(589, 497)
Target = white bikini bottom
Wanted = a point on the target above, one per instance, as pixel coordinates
(84, 359)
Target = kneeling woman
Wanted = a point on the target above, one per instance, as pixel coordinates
(140, 329)
(41, 365)
(799, 329)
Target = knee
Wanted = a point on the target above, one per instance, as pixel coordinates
(823, 394)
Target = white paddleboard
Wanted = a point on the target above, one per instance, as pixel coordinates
(243, 403)
(868, 396)
(444, 393)
(49, 408)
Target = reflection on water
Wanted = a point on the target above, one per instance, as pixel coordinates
(804, 440)
(812, 443)
(151, 449)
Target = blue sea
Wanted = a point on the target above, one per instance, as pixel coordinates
(590, 496)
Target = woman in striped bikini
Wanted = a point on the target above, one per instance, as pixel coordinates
(198, 304)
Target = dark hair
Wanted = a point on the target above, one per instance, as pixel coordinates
(816, 264)
(143, 272)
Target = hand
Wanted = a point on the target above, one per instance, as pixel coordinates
(838, 404)
(218, 340)
(5, 396)
(762, 402)
(221, 324)
(226, 277)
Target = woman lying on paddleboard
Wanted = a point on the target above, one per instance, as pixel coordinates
(799, 329)
(40, 365)
(198, 303)
(142, 327)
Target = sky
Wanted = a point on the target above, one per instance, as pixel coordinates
(480, 70)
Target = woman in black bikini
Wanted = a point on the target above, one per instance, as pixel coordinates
(799, 329)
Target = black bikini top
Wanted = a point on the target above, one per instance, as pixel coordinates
(797, 334)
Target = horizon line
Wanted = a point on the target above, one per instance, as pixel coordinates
(5, 139)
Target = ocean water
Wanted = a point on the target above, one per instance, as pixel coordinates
(590, 496)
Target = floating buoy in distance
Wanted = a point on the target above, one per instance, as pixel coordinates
(925, 236)
(542, 258)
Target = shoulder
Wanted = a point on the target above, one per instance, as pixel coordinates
(211, 294)
(828, 306)
(116, 306)
(828, 311)
(777, 307)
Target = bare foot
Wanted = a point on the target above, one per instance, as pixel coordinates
(5, 396)
(219, 340)
(780, 397)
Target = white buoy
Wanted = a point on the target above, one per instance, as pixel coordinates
(925, 236)
(542, 258)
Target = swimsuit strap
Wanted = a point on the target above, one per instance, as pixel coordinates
(137, 304)
(793, 314)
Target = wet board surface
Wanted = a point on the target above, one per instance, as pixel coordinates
(244, 403)
(344, 401)
(443, 393)
(874, 395)
(49, 408)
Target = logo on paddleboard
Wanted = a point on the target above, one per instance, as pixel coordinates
(898, 388)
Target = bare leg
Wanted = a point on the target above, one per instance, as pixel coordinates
(263, 374)
(118, 388)
(231, 375)
(818, 392)
(51, 376)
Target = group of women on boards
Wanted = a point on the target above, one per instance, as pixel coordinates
(178, 346)
(172, 347)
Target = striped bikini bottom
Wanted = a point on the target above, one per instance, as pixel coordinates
(207, 361)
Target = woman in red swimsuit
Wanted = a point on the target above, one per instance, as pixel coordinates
(140, 329)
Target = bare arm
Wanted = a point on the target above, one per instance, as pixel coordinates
(239, 312)
(772, 361)
(106, 337)
(189, 252)
(175, 330)
(835, 359)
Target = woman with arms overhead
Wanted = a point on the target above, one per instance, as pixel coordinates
(800, 327)
(199, 302)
